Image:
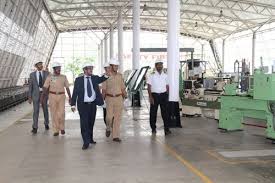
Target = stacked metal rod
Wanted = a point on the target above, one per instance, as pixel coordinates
(12, 96)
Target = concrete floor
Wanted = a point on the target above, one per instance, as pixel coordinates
(9, 116)
(190, 154)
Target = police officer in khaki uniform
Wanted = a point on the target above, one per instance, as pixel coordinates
(54, 85)
(113, 91)
(107, 69)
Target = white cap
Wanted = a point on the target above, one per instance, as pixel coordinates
(114, 61)
(56, 64)
(159, 61)
(87, 64)
(37, 62)
(106, 64)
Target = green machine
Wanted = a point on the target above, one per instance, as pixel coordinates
(258, 103)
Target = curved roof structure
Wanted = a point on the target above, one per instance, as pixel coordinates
(206, 19)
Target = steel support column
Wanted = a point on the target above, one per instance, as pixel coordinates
(111, 46)
(120, 39)
(202, 52)
(105, 49)
(173, 64)
(173, 49)
(101, 56)
(253, 50)
(136, 33)
(98, 58)
(223, 54)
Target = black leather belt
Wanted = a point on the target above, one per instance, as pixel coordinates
(160, 93)
(89, 103)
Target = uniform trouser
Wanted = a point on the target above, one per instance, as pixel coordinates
(162, 100)
(36, 107)
(114, 106)
(104, 114)
(57, 108)
(87, 115)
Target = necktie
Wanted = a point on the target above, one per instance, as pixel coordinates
(40, 80)
(89, 88)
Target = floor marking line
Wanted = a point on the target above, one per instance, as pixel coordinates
(220, 159)
(236, 162)
(203, 177)
(23, 117)
(183, 161)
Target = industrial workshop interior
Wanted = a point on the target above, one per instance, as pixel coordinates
(137, 91)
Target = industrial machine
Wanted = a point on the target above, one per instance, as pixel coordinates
(258, 102)
(198, 100)
(199, 95)
(191, 92)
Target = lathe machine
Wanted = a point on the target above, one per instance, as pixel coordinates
(257, 103)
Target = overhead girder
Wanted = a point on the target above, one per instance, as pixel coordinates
(209, 18)
(185, 24)
(248, 2)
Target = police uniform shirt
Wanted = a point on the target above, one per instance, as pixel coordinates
(56, 83)
(158, 82)
(114, 85)
(86, 97)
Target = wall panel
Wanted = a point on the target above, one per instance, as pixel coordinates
(27, 35)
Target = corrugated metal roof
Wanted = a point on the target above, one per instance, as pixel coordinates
(208, 19)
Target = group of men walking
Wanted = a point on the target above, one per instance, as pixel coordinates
(44, 86)
(87, 95)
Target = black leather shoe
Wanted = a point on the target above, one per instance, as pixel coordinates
(63, 132)
(108, 133)
(47, 127)
(85, 147)
(93, 142)
(167, 132)
(154, 131)
(116, 140)
(56, 134)
(34, 130)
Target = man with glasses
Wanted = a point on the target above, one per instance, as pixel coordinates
(87, 95)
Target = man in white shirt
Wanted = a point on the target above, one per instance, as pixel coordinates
(158, 94)
(37, 80)
(87, 95)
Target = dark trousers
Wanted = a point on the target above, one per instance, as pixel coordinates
(160, 99)
(87, 115)
(104, 114)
